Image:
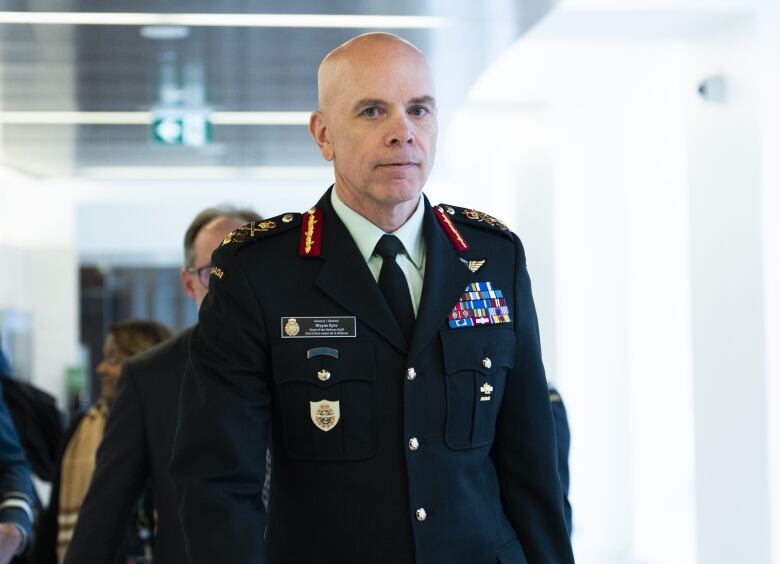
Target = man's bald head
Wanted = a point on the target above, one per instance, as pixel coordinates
(340, 63)
(377, 123)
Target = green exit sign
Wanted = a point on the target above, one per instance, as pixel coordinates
(192, 129)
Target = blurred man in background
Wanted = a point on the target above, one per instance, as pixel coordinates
(37, 419)
(38, 425)
(139, 433)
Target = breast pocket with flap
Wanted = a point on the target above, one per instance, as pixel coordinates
(476, 363)
(325, 396)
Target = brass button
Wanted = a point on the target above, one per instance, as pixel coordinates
(486, 362)
(323, 375)
(450, 210)
(414, 444)
(411, 374)
(421, 514)
(287, 218)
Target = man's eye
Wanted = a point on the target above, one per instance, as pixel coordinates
(371, 112)
(419, 111)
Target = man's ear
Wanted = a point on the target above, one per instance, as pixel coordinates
(319, 133)
(186, 283)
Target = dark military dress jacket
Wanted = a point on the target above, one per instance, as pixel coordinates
(439, 450)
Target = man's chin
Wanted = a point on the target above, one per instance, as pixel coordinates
(399, 190)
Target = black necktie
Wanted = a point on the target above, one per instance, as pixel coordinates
(393, 284)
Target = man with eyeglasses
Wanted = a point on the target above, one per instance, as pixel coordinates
(138, 439)
(205, 234)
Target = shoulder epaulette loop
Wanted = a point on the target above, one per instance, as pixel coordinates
(256, 230)
(474, 217)
(450, 230)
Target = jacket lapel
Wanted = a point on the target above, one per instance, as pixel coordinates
(346, 279)
(446, 277)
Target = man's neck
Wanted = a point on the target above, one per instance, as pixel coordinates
(387, 218)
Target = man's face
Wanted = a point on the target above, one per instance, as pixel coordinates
(380, 125)
(208, 239)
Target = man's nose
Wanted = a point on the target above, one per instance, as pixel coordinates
(400, 131)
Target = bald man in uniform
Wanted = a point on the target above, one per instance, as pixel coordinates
(392, 347)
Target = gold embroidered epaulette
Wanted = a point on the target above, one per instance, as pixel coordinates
(311, 233)
(256, 230)
(473, 217)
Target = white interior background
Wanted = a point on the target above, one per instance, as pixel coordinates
(651, 220)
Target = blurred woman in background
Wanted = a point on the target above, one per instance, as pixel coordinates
(77, 464)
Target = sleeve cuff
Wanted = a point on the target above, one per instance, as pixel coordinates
(12, 511)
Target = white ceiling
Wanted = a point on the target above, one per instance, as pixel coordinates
(247, 66)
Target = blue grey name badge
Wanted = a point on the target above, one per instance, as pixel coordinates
(318, 327)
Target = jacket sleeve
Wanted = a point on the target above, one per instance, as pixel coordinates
(16, 490)
(525, 450)
(563, 440)
(121, 470)
(218, 463)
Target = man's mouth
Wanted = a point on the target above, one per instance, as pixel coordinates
(398, 164)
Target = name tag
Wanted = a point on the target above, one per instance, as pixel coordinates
(313, 327)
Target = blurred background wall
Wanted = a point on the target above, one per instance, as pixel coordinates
(633, 145)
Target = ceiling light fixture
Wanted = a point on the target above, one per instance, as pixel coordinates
(75, 118)
(318, 173)
(225, 20)
(165, 32)
(146, 118)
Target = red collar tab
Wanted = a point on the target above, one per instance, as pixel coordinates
(453, 234)
(311, 233)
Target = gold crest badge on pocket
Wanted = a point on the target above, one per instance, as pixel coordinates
(325, 414)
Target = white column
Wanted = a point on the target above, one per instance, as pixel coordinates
(39, 258)
(654, 174)
(769, 88)
(728, 306)
(591, 307)
(588, 143)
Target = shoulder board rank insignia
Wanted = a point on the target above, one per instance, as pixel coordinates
(476, 218)
(255, 229)
(453, 234)
(480, 217)
(311, 233)
(246, 232)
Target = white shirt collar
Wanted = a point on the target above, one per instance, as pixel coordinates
(366, 235)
